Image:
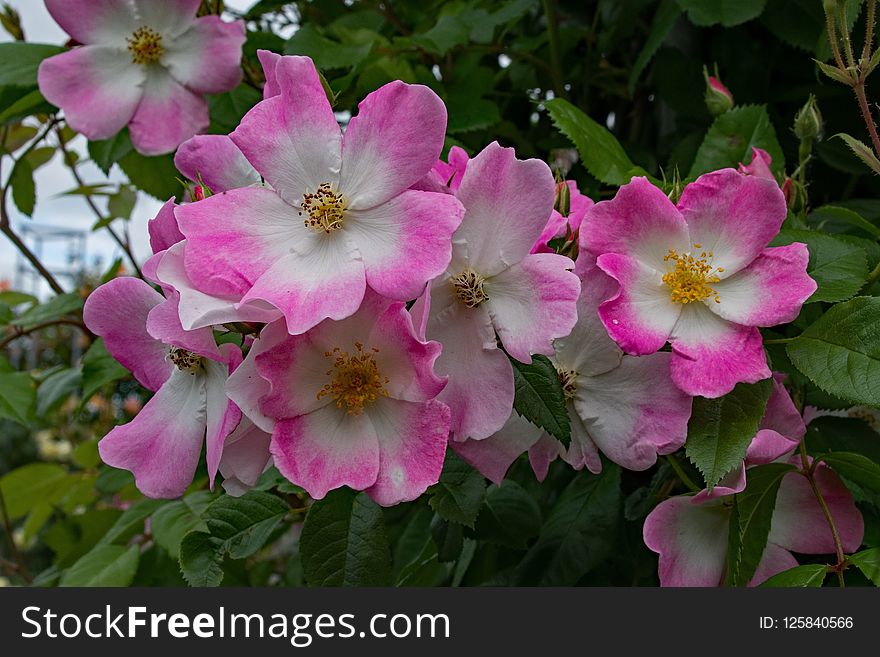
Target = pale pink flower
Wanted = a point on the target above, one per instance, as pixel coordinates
(626, 407)
(494, 285)
(162, 444)
(339, 215)
(699, 275)
(145, 64)
(349, 403)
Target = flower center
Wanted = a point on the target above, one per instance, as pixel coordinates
(692, 278)
(145, 46)
(356, 380)
(186, 361)
(568, 380)
(468, 286)
(324, 210)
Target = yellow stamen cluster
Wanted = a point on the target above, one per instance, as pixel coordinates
(145, 46)
(186, 361)
(356, 380)
(468, 287)
(692, 278)
(568, 379)
(324, 210)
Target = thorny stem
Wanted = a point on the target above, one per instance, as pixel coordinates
(847, 43)
(809, 473)
(859, 89)
(676, 466)
(7, 526)
(869, 30)
(832, 40)
(18, 333)
(68, 161)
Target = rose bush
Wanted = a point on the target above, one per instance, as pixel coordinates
(397, 259)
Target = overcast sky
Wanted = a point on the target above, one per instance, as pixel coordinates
(53, 179)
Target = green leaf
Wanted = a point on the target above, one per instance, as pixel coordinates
(720, 430)
(31, 485)
(108, 152)
(86, 455)
(448, 537)
(868, 561)
(244, 523)
(120, 204)
(12, 298)
(861, 151)
(131, 522)
(579, 533)
(40, 156)
(467, 114)
(661, 25)
(731, 138)
(750, 523)
(18, 397)
(344, 542)
(857, 469)
(24, 191)
(510, 517)
(56, 388)
(107, 565)
(840, 352)
(98, 369)
(27, 104)
(599, 150)
(19, 62)
(831, 213)
(237, 526)
(839, 268)
(324, 52)
(449, 31)
(228, 109)
(173, 521)
(539, 397)
(200, 558)
(157, 176)
(724, 12)
(809, 576)
(63, 304)
(459, 493)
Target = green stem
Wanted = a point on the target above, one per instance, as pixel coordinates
(687, 481)
(16, 553)
(809, 473)
(873, 277)
(553, 39)
(780, 341)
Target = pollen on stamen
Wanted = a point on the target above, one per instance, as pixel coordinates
(356, 382)
(568, 380)
(186, 361)
(468, 287)
(692, 277)
(145, 46)
(323, 210)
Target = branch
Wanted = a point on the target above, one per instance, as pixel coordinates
(6, 229)
(809, 473)
(20, 332)
(68, 161)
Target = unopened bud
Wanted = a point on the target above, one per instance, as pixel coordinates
(790, 192)
(11, 22)
(718, 97)
(562, 202)
(808, 122)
